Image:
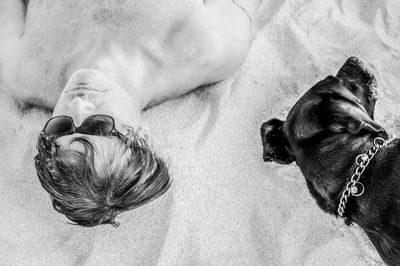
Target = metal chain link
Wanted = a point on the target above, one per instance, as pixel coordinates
(353, 187)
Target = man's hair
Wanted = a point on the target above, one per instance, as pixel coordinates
(93, 191)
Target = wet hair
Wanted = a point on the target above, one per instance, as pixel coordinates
(93, 191)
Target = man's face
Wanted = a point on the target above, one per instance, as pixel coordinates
(89, 92)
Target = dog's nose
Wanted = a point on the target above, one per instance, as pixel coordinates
(267, 158)
(354, 69)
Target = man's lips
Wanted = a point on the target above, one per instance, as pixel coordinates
(80, 89)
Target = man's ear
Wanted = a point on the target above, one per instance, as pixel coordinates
(275, 144)
(351, 117)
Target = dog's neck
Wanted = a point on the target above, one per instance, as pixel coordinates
(329, 164)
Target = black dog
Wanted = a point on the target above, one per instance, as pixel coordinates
(324, 133)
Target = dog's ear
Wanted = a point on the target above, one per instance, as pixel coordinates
(304, 122)
(275, 144)
(349, 116)
(334, 114)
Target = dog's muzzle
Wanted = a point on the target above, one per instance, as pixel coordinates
(355, 69)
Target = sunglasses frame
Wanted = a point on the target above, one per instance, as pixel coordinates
(46, 140)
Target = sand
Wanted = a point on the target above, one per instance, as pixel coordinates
(226, 206)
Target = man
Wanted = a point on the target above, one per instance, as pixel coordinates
(97, 65)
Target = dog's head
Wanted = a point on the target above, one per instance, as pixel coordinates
(338, 104)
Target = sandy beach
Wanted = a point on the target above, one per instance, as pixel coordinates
(226, 206)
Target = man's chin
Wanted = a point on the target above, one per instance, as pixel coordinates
(88, 79)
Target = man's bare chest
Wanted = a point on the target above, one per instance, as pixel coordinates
(63, 36)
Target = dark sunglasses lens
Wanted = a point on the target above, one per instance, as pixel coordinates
(59, 125)
(97, 125)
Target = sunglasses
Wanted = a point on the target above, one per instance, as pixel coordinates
(102, 125)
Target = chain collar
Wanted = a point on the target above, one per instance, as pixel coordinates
(354, 187)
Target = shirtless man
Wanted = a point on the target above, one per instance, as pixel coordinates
(97, 65)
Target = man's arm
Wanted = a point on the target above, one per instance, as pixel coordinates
(249, 7)
(12, 23)
(230, 22)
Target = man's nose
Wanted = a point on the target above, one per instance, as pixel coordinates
(81, 109)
